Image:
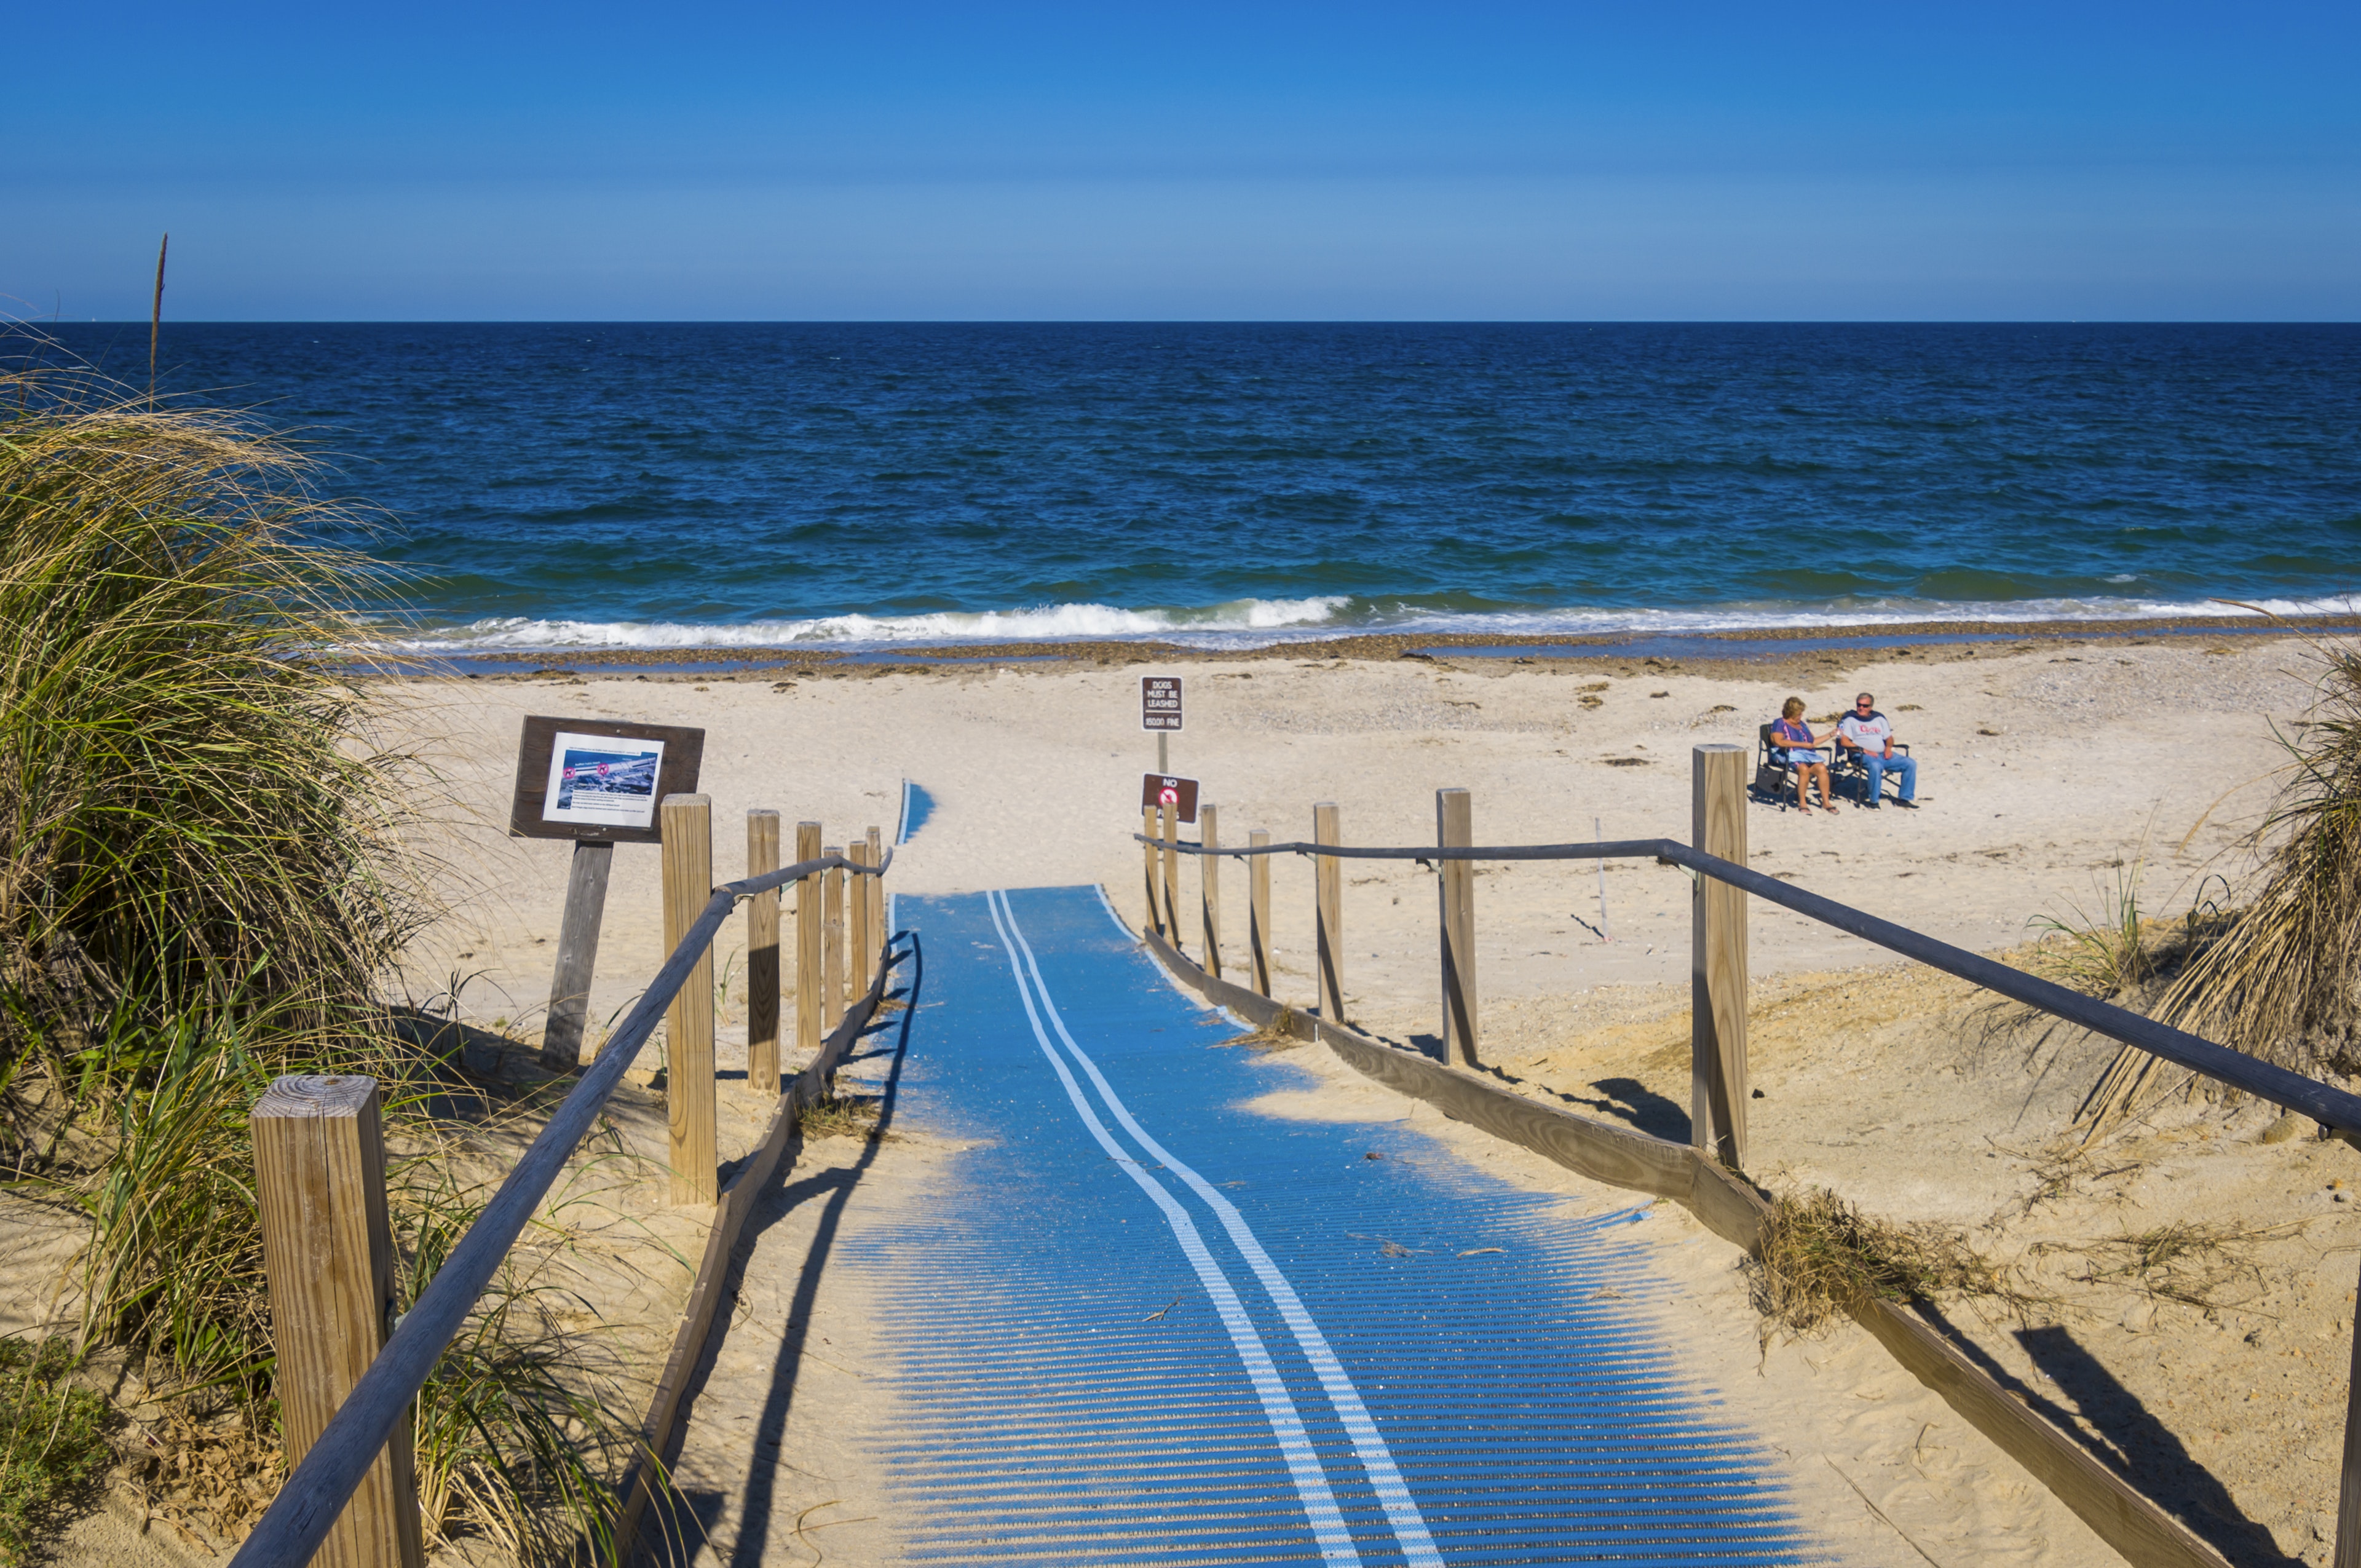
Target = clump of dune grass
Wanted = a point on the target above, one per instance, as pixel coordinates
(522, 1427)
(202, 886)
(2280, 978)
(2281, 982)
(1278, 1035)
(53, 1444)
(835, 1115)
(192, 810)
(1821, 1259)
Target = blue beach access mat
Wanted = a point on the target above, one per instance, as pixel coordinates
(1152, 1326)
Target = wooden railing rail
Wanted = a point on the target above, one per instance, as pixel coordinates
(1708, 1174)
(300, 1518)
(2331, 1108)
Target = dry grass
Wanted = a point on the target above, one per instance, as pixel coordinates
(837, 1116)
(2196, 1263)
(1822, 1259)
(1279, 1035)
(2280, 981)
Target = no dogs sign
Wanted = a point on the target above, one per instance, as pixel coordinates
(1160, 790)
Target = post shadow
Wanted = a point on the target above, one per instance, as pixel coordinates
(2127, 1439)
(678, 1521)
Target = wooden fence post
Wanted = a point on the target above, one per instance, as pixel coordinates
(2348, 1495)
(1258, 912)
(1455, 891)
(1209, 886)
(319, 1171)
(878, 936)
(1718, 959)
(1171, 836)
(578, 956)
(1328, 914)
(688, 1026)
(762, 958)
(857, 931)
(832, 945)
(1148, 855)
(809, 1008)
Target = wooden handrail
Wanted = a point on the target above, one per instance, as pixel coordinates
(2331, 1108)
(299, 1517)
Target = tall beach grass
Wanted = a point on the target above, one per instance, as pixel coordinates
(203, 885)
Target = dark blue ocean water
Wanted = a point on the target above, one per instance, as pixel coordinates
(557, 485)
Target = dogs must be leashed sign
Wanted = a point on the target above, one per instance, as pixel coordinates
(1159, 702)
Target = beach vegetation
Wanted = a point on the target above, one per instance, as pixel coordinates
(53, 1444)
(204, 884)
(2279, 976)
(2283, 981)
(1821, 1259)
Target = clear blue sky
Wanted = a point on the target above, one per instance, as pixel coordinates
(438, 161)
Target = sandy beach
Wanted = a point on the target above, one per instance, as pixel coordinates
(2051, 771)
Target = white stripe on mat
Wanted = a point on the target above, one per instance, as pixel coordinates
(1279, 1406)
(1377, 1459)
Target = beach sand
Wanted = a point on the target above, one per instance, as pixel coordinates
(2051, 771)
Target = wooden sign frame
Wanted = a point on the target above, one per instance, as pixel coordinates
(684, 757)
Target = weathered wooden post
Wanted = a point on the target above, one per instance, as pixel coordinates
(857, 931)
(2348, 1495)
(1718, 959)
(1170, 823)
(809, 1006)
(1328, 914)
(878, 936)
(578, 956)
(1454, 884)
(1258, 912)
(832, 945)
(1148, 855)
(762, 958)
(688, 1026)
(319, 1176)
(1209, 885)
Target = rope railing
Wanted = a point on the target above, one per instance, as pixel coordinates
(299, 1520)
(2331, 1108)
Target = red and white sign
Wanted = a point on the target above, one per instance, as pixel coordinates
(1160, 790)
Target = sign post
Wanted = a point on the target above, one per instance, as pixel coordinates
(596, 782)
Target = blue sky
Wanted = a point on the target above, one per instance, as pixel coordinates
(1494, 162)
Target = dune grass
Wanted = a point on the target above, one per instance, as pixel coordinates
(202, 886)
(2284, 980)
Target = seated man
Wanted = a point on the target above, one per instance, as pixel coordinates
(1870, 734)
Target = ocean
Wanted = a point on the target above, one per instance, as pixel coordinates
(551, 486)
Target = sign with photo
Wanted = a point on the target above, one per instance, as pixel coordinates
(600, 780)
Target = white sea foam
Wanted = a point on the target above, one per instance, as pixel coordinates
(1041, 623)
(1254, 623)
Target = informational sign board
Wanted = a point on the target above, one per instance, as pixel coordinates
(1156, 790)
(600, 780)
(1159, 703)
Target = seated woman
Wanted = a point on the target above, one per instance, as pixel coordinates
(1802, 754)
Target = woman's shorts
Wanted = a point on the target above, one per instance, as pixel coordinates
(1799, 757)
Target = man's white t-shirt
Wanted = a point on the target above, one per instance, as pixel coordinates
(1871, 734)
